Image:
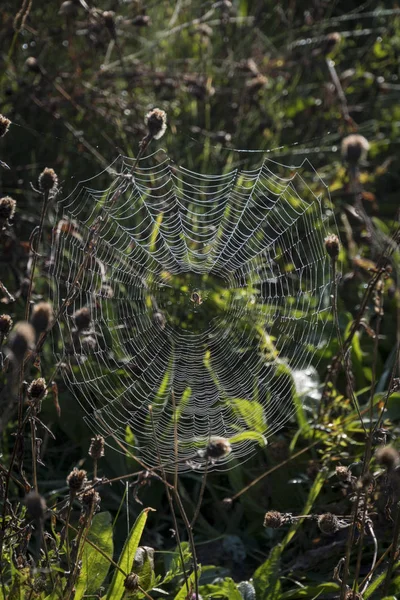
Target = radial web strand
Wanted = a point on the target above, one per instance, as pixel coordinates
(203, 291)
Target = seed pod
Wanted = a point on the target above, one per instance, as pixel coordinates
(332, 245)
(7, 208)
(156, 121)
(22, 339)
(82, 318)
(37, 389)
(218, 447)
(343, 473)
(131, 583)
(35, 505)
(4, 125)
(273, 519)
(48, 180)
(96, 449)
(328, 523)
(354, 148)
(90, 499)
(5, 325)
(76, 480)
(42, 315)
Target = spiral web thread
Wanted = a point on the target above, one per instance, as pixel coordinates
(203, 290)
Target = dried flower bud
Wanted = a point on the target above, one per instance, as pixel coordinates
(354, 148)
(343, 473)
(351, 595)
(156, 121)
(32, 64)
(273, 519)
(48, 180)
(218, 447)
(22, 339)
(328, 523)
(90, 499)
(96, 449)
(37, 389)
(82, 318)
(7, 208)
(42, 315)
(332, 245)
(36, 505)
(76, 480)
(5, 325)
(387, 457)
(4, 125)
(131, 583)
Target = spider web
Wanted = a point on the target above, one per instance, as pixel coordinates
(203, 290)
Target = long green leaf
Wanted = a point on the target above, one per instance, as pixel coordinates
(116, 589)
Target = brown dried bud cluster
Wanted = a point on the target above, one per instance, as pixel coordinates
(48, 180)
(5, 325)
(76, 480)
(156, 122)
(7, 208)
(131, 583)
(35, 505)
(387, 457)
(328, 523)
(273, 519)
(218, 447)
(351, 595)
(22, 339)
(37, 389)
(4, 125)
(332, 245)
(343, 473)
(96, 449)
(42, 315)
(82, 318)
(90, 500)
(354, 148)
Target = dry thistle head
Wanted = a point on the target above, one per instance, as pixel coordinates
(22, 339)
(96, 449)
(4, 125)
(218, 447)
(5, 325)
(7, 208)
(42, 315)
(131, 583)
(76, 480)
(273, 519)
(90, 500)
(156, 122)
(48, 181)
(332, 245)
(37, 389)
(82, 318)
(387, 457)
(343, 473)
(354, 148)
(328, 523)
(35, 505)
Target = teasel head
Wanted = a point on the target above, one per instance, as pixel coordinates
(4, 125)
(7, 209)
(22, 340)
(6, 324)
(42, 316)
(76, 481)
(217, 448)
(48, 181)
(156, 122)
(354, 149)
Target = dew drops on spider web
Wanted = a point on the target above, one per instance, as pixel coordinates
(206, 292)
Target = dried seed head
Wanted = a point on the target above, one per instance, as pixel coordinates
(48, 180)
(354, 148)
(90, 499)
(218, 447)
(350, 595)
(42, 315)
(76, 480)
(131, 583)
(37, 389)
(36, 505)
(82, 318)
(331, 40)
(108, 16)
(273, 519)
(5, 325)
(32, 64)
(332, 245)
(156, 121)
(328, 523)
(387, 457)
(22, 339)
(68, 8)
(7, 208)
(4, 125)
(96, 449)
(88, 344)
(343, 473)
